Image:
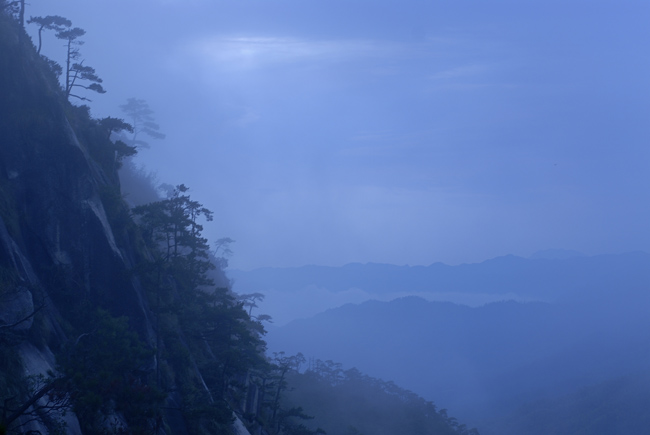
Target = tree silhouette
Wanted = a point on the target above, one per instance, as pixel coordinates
(282, 364)
(46, 397)
(13, 8)
(250, 300)
(115, 125)
(21, 14)
(49, 22)
(141, 118)
(76, 70)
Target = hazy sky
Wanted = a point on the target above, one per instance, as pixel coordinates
(406, 132)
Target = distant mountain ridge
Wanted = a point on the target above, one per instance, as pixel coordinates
(542, 277)
(556, 254)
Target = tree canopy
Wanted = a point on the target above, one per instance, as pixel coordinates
(75, 71)
(140, 116)
(49, 22)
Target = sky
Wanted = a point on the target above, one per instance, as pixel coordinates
(404, 132)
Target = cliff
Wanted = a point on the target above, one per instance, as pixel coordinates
(68, 248)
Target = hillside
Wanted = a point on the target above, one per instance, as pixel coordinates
(482, 363)
(350, 403)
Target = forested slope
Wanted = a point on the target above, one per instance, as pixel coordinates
(485, 363)
(351, 403)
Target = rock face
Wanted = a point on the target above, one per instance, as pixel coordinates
(55, 235)
(51, 189)
(17, 306)
(16, 301)
(67, 242)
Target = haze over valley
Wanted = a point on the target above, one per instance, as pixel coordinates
(289, 217)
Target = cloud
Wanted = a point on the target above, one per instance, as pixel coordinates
(373, 136)
(252, 52)
(255, 52)
(460, 72)
(244, 116)
(285, 306)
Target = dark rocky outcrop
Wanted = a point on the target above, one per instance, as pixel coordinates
(56, 241)
(68, 245)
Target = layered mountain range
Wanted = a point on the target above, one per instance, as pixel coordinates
(584, 327)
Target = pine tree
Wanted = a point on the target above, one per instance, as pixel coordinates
(77, 70)
(140, 116)
(49, 22)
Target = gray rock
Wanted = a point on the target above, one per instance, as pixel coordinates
(16, 305)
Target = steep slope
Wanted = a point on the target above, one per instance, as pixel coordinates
(76, 329)
(54, 191)
(57, 247)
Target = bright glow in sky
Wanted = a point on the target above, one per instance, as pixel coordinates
(397, 132)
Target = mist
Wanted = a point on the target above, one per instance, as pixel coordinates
(406, 217)
(331, 133)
